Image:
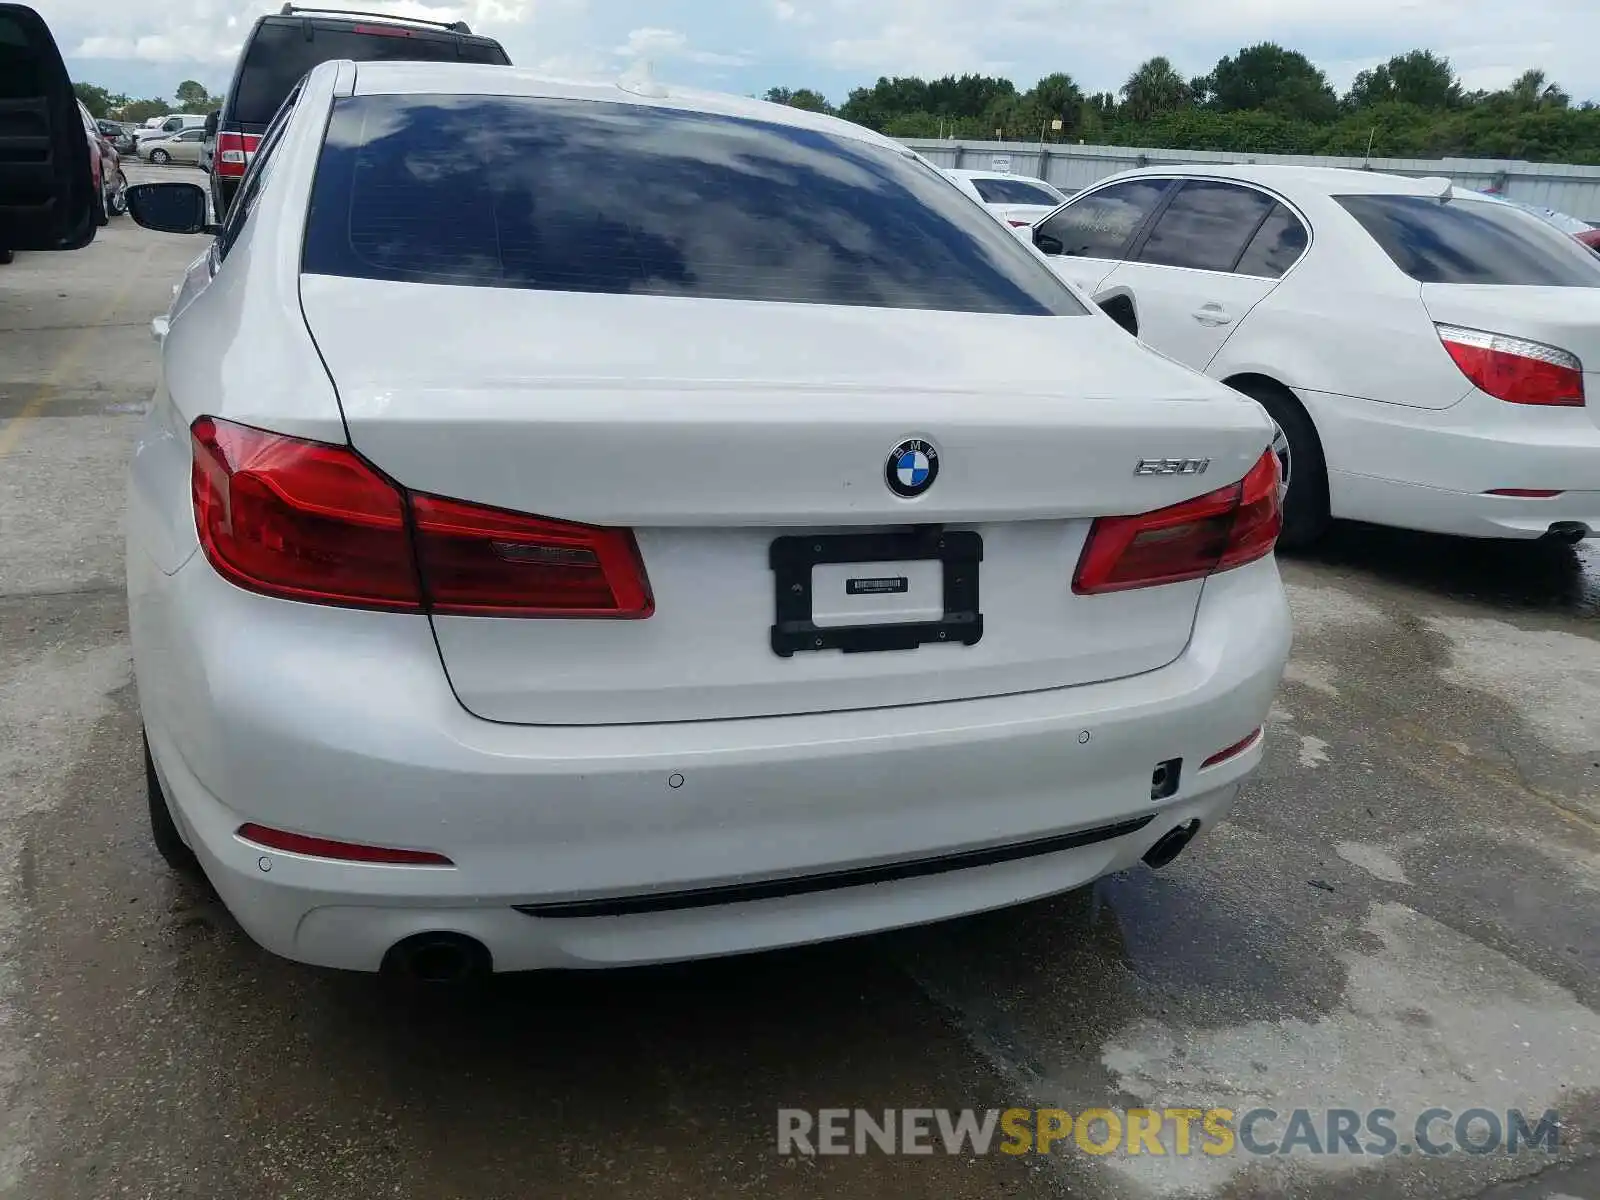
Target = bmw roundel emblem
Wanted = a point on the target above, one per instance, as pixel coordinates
(912, 467)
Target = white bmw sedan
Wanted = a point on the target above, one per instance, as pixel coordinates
(582, 526)
(1430, 353)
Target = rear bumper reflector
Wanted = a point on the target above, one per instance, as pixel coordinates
(803, 885)
(1234, 750)
(315, 847)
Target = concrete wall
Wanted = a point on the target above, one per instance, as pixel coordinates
(1570, 189)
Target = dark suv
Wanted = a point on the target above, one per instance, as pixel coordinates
(284, 46)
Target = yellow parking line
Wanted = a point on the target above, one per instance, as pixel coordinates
(12, 433)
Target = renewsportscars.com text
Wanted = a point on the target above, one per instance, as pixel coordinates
(1178, 1132)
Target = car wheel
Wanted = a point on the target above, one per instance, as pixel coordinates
(163, 829)
(118, 203)
(1305, 472)
(101, 217)
(6, 256)
(160, 157)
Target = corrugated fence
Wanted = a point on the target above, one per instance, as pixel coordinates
(1570, 189)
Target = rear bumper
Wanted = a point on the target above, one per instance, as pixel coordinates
(343, 725)
(1435, 469)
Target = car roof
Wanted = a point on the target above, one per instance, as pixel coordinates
(963, 173)
(1286, 178)
(396, 77)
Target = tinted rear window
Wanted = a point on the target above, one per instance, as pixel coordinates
(279, 55)
(1472, 241)
(1013, 191)
(580, 196)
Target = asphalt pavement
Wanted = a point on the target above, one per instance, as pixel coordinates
(1403, 913)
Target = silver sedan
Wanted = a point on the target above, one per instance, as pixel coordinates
(181, 147)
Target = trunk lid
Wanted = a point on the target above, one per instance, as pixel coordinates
(1567, 318)
(712, 428)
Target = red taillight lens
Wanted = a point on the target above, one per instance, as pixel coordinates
(299, 519)
(230, 155)
(383, 31)
(315, 847)
(311, 521)
(1222, 529)
(489, 562)
(1514, 369)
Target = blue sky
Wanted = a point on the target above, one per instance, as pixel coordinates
(834, 45)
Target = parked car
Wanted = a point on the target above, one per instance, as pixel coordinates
(1574, 227)
(1018, 200)
(1423, 348)
(182, 147)
(118, 134)
(285, 45)
(852, 567)
(49, 173)
(105, 166)
(169, 126)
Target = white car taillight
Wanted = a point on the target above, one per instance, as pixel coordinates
(1514, 369)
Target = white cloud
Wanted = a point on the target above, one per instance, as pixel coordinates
(661, 45)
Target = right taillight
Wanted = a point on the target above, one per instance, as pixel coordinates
(312, 521)
(1514, 369)
(1215, 532)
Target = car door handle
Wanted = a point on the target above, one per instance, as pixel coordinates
(1212, 314)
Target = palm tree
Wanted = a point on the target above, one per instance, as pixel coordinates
(1156, 87)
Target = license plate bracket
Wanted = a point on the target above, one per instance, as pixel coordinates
(792, 558)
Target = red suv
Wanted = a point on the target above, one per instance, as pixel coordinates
(282, 47)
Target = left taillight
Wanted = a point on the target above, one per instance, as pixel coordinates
(299, 519)
(312, 521)
(1220, 530)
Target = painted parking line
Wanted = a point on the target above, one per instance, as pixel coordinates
(11, 431)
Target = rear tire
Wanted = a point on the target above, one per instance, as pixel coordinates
(1305, 504)
(160, 157)
(163, 829)
(118, 202)
(101, 217)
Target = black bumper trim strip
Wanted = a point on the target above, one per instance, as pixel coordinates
(802, 885)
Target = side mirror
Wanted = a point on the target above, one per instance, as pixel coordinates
(170, 207)
(1048, 243)
(46, 182)
(211, 125)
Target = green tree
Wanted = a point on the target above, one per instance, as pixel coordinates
(1057, 97)
(1420, 77)
(806, 98)
(192, 95)
(1156, 87)
(143, 110)
(1534, 89)
(1268, 78)
(96, 99)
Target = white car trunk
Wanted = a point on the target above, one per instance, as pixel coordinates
(757, 421)
(1567, 318)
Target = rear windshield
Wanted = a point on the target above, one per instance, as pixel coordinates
(1013, 191)
(583, 196)
(279, 55)
(1472, 241)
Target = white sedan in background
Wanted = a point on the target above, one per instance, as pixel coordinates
(851, 589)
(1429, 353)
(1018, 200)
